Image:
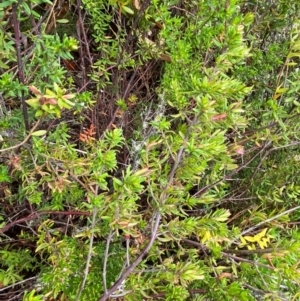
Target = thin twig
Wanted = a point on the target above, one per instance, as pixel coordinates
(285, 146)
(37, 214)
(138, 260)
(205, 188)
(108, 240)
(81, 25)
(24, 141)
(17, 283)
(191, 292)
(226, 255)
(256, 251)
(268, 220)
(81, 32)
(261, 161)
(247, 261)
(89, 256)
(16, 26)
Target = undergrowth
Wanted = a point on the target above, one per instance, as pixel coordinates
(149, 150)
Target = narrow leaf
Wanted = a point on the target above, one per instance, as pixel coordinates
(39, 133)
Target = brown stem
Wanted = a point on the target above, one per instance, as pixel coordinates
(16, 26)
(24, 141)
(226, 255)
(39, 213)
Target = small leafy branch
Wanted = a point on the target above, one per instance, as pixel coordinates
(52, 102)
(262, 239)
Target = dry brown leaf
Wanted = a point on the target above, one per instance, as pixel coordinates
(136, 4)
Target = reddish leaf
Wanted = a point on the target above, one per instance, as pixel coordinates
(219, 117)
(51, 101)
(239, 149)
(34, 90)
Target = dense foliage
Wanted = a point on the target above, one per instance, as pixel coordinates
(149, 150)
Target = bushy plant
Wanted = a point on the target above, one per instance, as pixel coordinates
(153, 156)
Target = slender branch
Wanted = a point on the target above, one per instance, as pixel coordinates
(18, 283)
(264, 292)
(82, 35)
(16, 26)
(265, 155)
(191, 292)
(205, 188)
(39, 213)
(81, 31)
(130, 269)
(49, 23)
(89, 256)
(19, 221)
(110, 235)
(24, 141)
(285, 146)
(248, 261)
(226, 255)
(254, 289)
(268, 220)
(256, 251)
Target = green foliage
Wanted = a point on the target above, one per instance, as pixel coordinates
(4, 176)
(30, 296)
(52, 102)
(171, 156)
(14, 263)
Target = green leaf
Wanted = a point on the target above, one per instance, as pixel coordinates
(26, 8)
(41, 247)
(231, 166)
(33, 102)
(62, 21)
(250, 238)
(4, 176)
(221, 215)
(7, 3)
(50, 93)
(127, 10)
(39, 133)
(3, 66)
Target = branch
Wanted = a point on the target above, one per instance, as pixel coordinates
(156, 217)
(105, 259)
(16, 26)
(89, 256)
(130, 269)
(37, 214)
(191, 292)
(248, 261)
(205, 188)
(265, 222)
(226, 255)
(24, 141)
(18, 283)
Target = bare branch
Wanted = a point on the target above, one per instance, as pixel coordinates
(89, 256)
